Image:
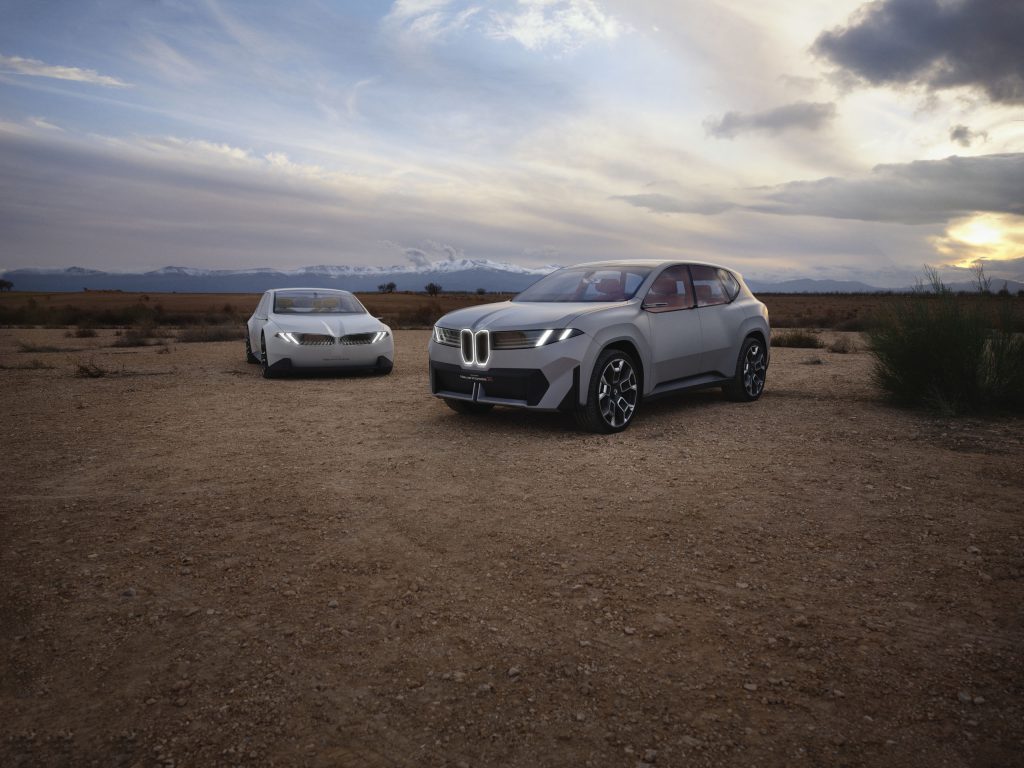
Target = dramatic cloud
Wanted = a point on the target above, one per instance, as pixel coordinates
(922, 192)
(34, 68)
(964, 136)
(912, 193)
(534, 131)
(803, 115)
(935, 43)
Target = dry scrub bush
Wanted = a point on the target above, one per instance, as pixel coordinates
(90, 371)
(842, 346)
(797, 338)
(949, 355)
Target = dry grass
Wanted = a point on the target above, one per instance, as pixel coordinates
(797, 338)
(203, 333)
(841, 312)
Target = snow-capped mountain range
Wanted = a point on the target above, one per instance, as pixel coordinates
(450, 274)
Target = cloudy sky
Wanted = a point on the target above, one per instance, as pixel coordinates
(812, 138)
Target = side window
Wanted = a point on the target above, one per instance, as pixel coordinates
(707, 286)
(732, 285)
(670, 291)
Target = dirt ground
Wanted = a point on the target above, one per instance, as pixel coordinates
(201, 567)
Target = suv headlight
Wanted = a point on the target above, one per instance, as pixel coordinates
(528, 339)
(447, 336)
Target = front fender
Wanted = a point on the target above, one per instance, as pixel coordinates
(601, 340)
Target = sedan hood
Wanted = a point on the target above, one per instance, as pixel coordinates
(333, 325)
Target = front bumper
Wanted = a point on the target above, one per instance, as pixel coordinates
(336, 356)
(541, 378)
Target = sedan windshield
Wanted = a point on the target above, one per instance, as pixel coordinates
(316, 302)
(609, 283)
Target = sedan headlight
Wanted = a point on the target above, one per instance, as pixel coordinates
(527, 339)
(289, 337)
(379, 336)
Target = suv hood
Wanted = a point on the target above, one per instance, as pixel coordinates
(522, 315)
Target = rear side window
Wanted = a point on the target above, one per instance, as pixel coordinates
(708, 287)
(732, 285)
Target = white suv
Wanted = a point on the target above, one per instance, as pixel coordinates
(597, 338)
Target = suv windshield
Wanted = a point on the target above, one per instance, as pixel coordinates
(316, 302)
(608, 283)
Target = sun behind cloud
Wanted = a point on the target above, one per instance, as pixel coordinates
(982, 237)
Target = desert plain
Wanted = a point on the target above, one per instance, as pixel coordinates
(202, 567)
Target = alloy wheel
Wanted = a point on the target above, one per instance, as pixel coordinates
(754, 369)
(617, 392)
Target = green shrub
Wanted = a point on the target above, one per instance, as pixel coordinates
(947, 354)
(797, 338)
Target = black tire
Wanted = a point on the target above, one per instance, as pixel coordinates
(384, 367)
(265, 368)
(613, 394)
(751, 372)
(466, 407)
(249, 356)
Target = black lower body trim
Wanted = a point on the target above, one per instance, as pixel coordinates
(519, 385)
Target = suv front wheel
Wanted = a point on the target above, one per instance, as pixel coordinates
(613, 394)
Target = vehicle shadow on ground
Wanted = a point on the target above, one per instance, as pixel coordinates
(512, 421)
(306, 375)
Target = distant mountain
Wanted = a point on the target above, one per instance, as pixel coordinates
(812, 286)
(451, 275)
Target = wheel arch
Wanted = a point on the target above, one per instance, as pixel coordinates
(756, 328)
(627, 346)
(757, 333)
